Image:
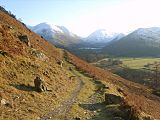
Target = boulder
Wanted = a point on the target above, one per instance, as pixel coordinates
(113, 99)
(25, 39)
(40, 85)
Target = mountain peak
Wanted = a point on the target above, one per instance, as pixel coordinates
(102, 35)
(58, 35)
(46, 25)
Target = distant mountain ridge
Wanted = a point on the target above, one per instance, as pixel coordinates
(62, 37)
(103, 36)
(58, 35)
(140, 43)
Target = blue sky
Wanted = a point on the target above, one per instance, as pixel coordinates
(57, 11)
(84, 16)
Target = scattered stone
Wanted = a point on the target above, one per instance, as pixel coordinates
(72, 77)
(38, 118)
(60, 62)
(120, 90)
(25, 39)
(40, 85)
(113, 99)
(39, 54)
(77, 118)
(3, 101)
(70, 68)
(85, 112)
(6, 103)
(106, 87)
(10, 27)
(3, 53)
(95, 111)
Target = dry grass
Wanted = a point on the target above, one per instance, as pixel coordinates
(137, 95)
(90, 103)
(19, 68)
(16, 86)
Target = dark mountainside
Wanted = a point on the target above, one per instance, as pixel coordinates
(76, 89)
(144, 42)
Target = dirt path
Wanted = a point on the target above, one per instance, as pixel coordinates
(61, 112)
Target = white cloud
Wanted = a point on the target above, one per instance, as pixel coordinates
(122, 17)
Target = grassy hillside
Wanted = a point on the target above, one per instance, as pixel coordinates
(20, 64)
(72, 85)
(135, 94)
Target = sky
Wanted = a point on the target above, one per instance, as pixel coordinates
(83, 17)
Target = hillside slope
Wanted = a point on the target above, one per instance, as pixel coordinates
(20, 64)
(25, 55)
(136, 95)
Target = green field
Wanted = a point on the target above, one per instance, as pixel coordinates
(138, 63)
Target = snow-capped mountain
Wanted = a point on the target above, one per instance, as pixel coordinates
(58, 35)
(141, 42)
(50, 28)
(102, 36)
(40, 27)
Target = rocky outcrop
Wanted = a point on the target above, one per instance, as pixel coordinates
(113, 99)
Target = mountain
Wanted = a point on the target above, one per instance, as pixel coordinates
(98, 39)
(58, 35)
(71, 86)
(143, 42)
(102, 36)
